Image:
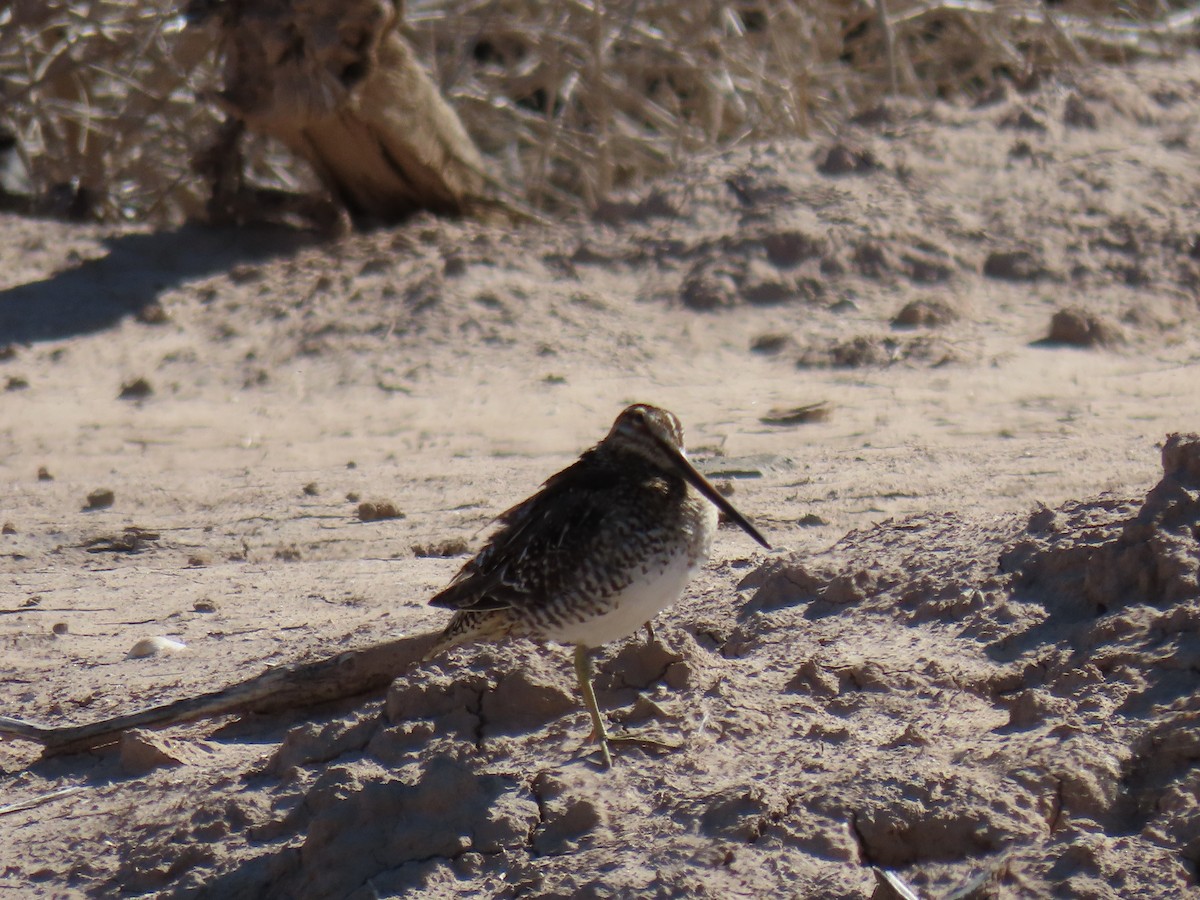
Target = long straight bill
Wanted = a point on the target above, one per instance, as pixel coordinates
(701, 484)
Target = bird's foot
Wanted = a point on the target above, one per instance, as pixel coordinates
(646, 737)
(643, 737)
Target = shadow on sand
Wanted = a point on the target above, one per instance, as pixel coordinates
(137, 269)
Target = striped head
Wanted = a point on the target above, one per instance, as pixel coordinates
(656, 436)
(652, 433)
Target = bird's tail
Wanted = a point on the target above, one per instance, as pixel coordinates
(469, 626)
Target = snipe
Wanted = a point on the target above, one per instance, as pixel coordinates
(605, 545)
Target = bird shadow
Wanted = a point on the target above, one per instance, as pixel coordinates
(138, 268)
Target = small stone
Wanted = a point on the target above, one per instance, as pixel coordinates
(60, 628)
(43, 474)
(137, 389)
(101, 498)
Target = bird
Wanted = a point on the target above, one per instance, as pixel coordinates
(600, 549)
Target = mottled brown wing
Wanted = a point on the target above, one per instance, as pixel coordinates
(539, 543)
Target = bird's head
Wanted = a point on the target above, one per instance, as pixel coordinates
(655, 435)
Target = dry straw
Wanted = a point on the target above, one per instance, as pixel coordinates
(570, 101)
(100, 97)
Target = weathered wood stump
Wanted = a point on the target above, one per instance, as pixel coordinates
(336, 82)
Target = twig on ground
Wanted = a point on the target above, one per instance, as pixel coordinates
(39, 800)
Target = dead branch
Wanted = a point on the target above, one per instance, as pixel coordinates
(335, 81)
(356, 673)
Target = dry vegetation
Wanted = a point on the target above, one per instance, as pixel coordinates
(104, 101)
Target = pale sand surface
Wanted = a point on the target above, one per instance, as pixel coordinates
(921, 678)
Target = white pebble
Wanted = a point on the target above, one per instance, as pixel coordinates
(153, 645)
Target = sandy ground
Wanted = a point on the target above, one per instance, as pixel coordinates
(973, 657)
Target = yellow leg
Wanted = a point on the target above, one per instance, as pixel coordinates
(583, 671)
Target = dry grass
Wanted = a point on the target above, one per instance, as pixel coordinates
(101, 99)
(569, 101)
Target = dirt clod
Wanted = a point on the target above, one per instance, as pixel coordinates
(101, 498)
(1077, 114)
(446, 548)
(152, 313)
(1081, 328)
(790, 248)
(1013, 265)
(771, 343)
(925, 314)
(377, 510)
(843, 160)
(705, 292)
(135, 389)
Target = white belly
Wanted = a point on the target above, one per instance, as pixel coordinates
(631, 608)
